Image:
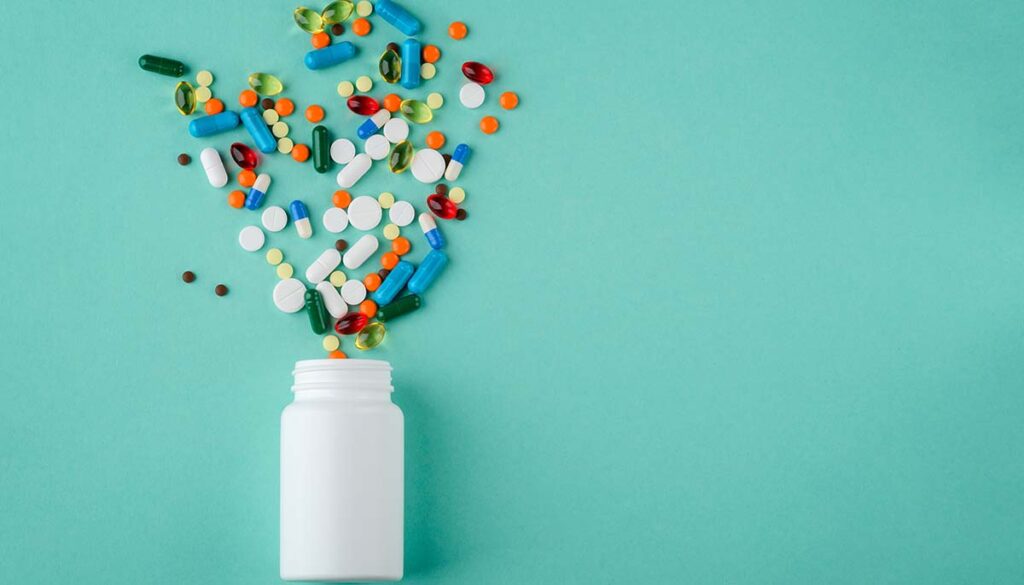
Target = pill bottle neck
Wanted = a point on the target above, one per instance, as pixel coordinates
(330, 379)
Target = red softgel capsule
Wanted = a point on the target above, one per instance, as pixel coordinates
(363, 105)
(351, 323)
(441, 206)
(244, 156)
(477, 72)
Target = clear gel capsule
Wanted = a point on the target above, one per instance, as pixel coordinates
(308, 20)
(336, 12)
(371, 336)
(185, 98)
(401, 157)
(265, 84)
(416, 111)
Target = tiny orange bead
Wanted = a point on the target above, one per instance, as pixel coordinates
(489, 124)
(371, 281)
(248, 98)
(457, 30)
(214, 106)
(368, 308)
(300, 152)
(509, 100)
(342, 199)
(431, 54)
(361, 27)
(284, 107)
(337, 355)
(435, 140)
(246, 178)
(400, 245)
(314, 113)
(392, 102)
(389, 260)
(320, 40)
(236, 199)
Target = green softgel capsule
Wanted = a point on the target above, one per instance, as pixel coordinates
(265, 84)
(321, 149)
(336, 12)
(308, 20)
(416, 111)
(398, 307)
(162, 65)
(371, 336)
(390, 66)
(185, 98)
(319, 318)
(401, 156)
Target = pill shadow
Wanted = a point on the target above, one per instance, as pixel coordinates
(424, 445)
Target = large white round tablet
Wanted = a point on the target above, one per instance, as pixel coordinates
(472, 95)
(275, 218)
(251, 238)
(402, 213)
(342, 151)
(427, 165)
(377, 147)
(290, 295)
(335, 220)
(396, 130)
(353, 291)
(364, 213)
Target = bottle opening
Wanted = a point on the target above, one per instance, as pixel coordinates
(346, 374)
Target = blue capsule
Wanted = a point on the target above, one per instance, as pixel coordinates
(258, 192)
(429, 227)
(300, 219)
(392, 285)
(459, 158)
(373, 124)
(427, 273)
(330, 55)
(397, 17)
(410, 63)
(253, 121)
(215, 124)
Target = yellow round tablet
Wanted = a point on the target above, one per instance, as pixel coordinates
(285, 145)
(285, 270)
(345, 88)
(337, 278)
(271, 117)
(386, 200)
(274, 256)
(391, 231)
(204, 78)
(428, 71)
(364, 8)
(364, 83)
(331, 343)
(457, 195)
(280, 129)
(435, 100)
(203, 94)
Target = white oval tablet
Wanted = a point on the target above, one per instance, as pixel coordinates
(427, 165)
(216, 174)
(396, 130)
(335, 220)
(402, 213)
(290, 295)
(472, 95)
(360, 252)
(353, 292)
(332, 300)
(251, 238)
(377, 147)
(342, 151)
(364, 213)
(275, 218)
(323, 266)
(354, 170)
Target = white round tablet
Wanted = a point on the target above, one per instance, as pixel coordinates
(396, 130)
(377, 147)
(402, 213)
(364, 212)
(290, 295)
(342, 151)
(427, 165)
(335, 220)
(275, 218)
(472, 95)
(251, 238)
(353, 291)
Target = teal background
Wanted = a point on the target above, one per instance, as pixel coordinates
(738, 301)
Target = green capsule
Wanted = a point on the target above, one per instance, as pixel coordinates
(401, 156)
(308, 20)
(162, 65)
(398, 307)
(265, 84)
(319, 318)
(185, 98)
(321, 149)
(416, 111)
(371, 336)
(390, 66)
(336, 12)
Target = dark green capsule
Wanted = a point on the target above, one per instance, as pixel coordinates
(401, 156)
(185, 98)
(390, 66)
(162, 65)
(398, 307)
(321, 149)
(319, 318)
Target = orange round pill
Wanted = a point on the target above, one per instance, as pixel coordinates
(371, 281)
(431, 54)
(489, 124)
(314, 113)
(400, 245)
(392, 102)
(246, 178)
(342, 199)
(337, 355)
(457, 30)
(368, 308)
(236, 199)
(284, 107)
(435, 140)
(300, 152)
(248, 98)
(320, 40)
(361, 27)
(389, 260)
(214, 106)
(509, 100)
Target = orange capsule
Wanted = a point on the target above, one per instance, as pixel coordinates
(284, 107)
(246, 178)
(392, 102)
(337, 355)
(300, 152)
(509, 100)
(361, 27)
(248, 98)
(320, 40)
(342, 198)
(435, 140)
(236, 199)
(368, 308)
(431, 54)
(457, 30)
(489, 124)
(371, 282)
(214, 106)
(314, 113)
(400, 245)
(389, 260)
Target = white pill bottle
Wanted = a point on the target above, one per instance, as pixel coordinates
(342, 474)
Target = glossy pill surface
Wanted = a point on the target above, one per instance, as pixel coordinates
(308, 20)
(428, 271)
(371, 336)
(398, 307)
(416, 111)
(394, 283)
(351, 323)
(265, 84)
(431, 231)
(329, 56)
(390, 66)
(398, 17)
(411, 54)
(401, 157)
(184, 98)
(162, 65)
(319, 318)
(363, 105)
(215, 124)
(337, 12)
(258, 192)
(243, 156)
(257, 128)
(477, 72)
(321, 149)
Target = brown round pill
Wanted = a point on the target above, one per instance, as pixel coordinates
(442, 189)
(383, 273)
(267, 103)
(394, 47)
(461, 214)
(188, 276)
(221, 290)
(337, 29)
(447, 159)
(340, 245)
(184, 159)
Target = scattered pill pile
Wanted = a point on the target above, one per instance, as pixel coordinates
(331, 297)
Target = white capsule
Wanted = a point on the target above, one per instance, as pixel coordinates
(289, 295)
(323, 266)
(396, 130)
(353, 291)
(332, 300)
(304, 228)
(427, 165)
(354, 170)
(216, 174)
(361, 251)
(453, 170)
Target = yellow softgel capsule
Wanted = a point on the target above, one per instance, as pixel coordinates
(285, 145)
(364, 83)
(386, 200)
(337, 278)
(364, 8)
(265, 84)
(345, 89)
(435, 100)
(331, 343)
(271, 117)
(391, 231)
(457, 195)
(371, 336)
(203, 94)
(428, 71)
(204, 78)
(274, 256)
(285, 270)
(279, 129)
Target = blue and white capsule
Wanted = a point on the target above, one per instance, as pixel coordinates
(253, 121)
(459, 158)
(330, 55)
(373, 124)
(258, 192)
(215, 124)
(300, 217)
(410, 63)
(434, 236)
(393, 284)
(398, 17)
(427, 273)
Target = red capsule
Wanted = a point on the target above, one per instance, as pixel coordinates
(441, 206)
(244, 156)
(363, 105)
(351, 323)
(477, 72)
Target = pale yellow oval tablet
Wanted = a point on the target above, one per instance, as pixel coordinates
(435, 100)
(428, 71)
(203, 94)
(386, 200)
(345, 88)
(364, 8)
(331, 343)
(285, 145)
(457, 195)
(337, 278)
(274, 256)
(271, 117)
(364, 83)
(285, 270)
(391, 231)
(204, 78)
(280, 129)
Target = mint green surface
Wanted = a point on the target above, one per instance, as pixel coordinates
(739, 300)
